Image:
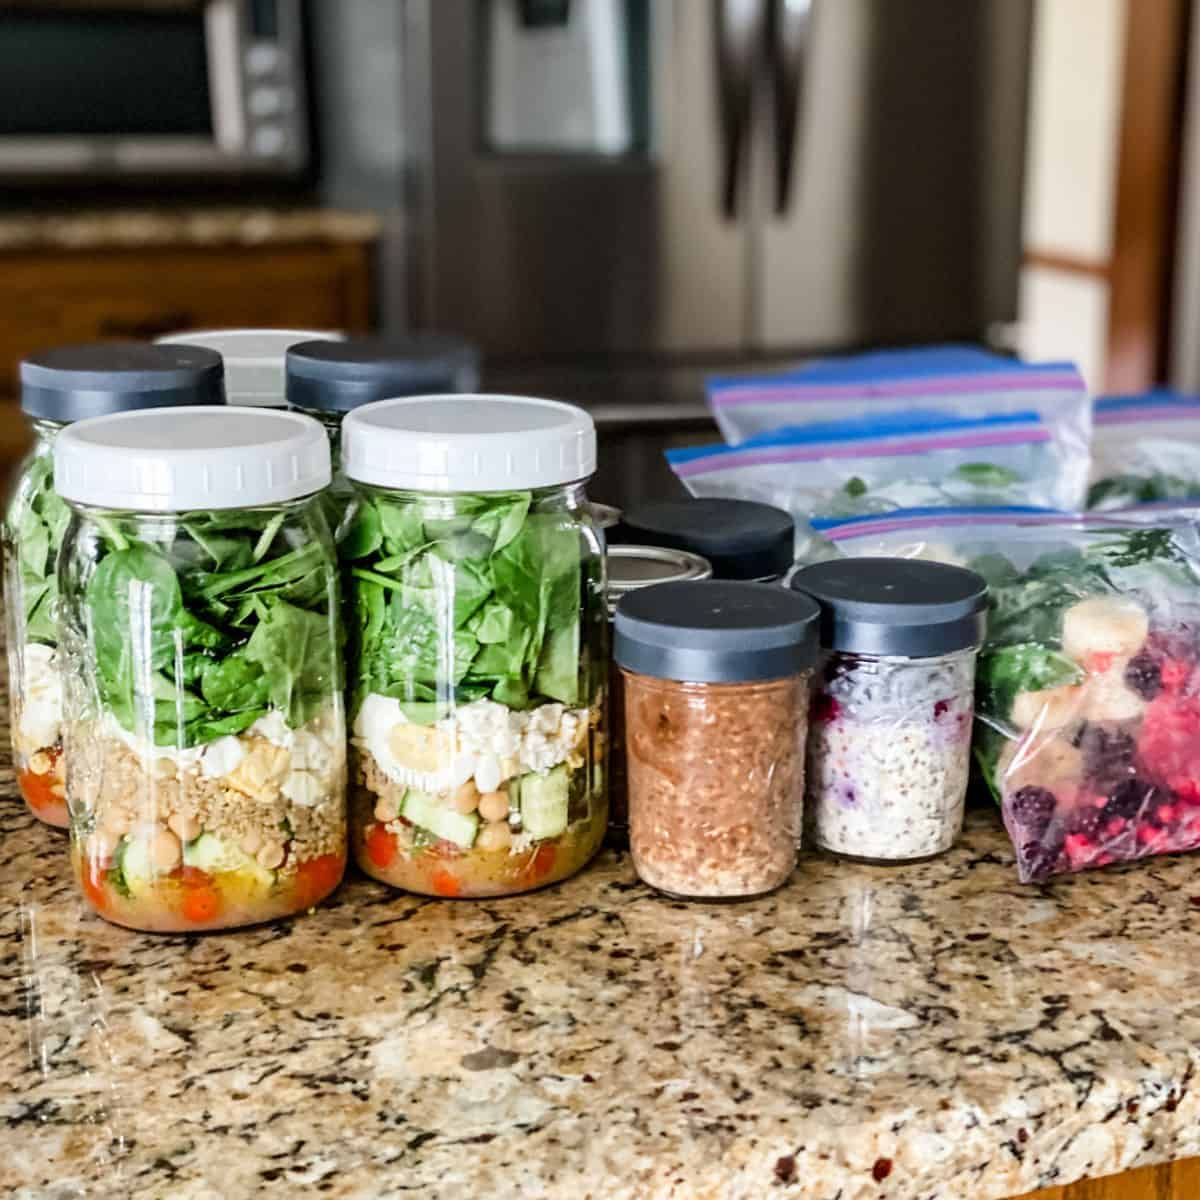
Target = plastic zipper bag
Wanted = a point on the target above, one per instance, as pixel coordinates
(1145, 450)
(1088, 686)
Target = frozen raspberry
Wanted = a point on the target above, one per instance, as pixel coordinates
(1033, 807)
(1143, 676)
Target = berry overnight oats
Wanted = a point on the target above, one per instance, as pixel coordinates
(889, 752)
(889, 749)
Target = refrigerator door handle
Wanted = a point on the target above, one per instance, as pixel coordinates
(791, 34)
(741, 27)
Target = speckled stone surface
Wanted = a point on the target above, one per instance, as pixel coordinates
(182, 227)
(934, 1031)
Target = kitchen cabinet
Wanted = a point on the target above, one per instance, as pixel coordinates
(1167, 1181)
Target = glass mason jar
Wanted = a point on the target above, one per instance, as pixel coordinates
(889, 747)
(326, 380)
(58, 387)
(631, 568)
(478, 650)
(205, 732)
(741, 539)
(716, 700)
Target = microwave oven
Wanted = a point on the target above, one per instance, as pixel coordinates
(161, 87)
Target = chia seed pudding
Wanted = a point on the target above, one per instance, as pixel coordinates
(890, 728)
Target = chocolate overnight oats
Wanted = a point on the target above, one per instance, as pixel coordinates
(715, 680)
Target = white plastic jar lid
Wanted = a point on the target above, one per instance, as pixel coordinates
(254, 359)
(179, 459)
(462, 443)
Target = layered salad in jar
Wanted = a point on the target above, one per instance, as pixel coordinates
(206, 750)
(36, 521)
(889, 753)
(477, 680)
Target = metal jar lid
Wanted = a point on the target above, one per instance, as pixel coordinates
(907, 607)
(715, 631)
(741, 538)
(73, 383)
(634, 567)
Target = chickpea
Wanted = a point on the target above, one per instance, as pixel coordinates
(385, 809)
(493, 806)
(115, 823)
(40, 763)
(496, 836)
(270, 856)
(251, 841)
(466, 799)
(184, 825)
(165, 851)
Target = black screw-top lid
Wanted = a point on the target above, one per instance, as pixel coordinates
(906, 607)
(342, 376)
(71, 383)
(741, 538)
(715, 631)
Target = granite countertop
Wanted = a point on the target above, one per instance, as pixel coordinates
(938, 1031)
(118, 229)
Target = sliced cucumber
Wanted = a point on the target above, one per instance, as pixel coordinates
(208, 853)
(545, 802)
(428, 812)
(135, 863)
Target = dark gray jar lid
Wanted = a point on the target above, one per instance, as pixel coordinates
(341, 376)
(741, 538)
(715, 631)
(906, 607)
(72, 383)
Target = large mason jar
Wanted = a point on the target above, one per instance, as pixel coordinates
(60, 386)
(205, 732)
(474, 579)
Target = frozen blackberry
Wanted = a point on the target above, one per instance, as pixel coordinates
(1033, 807)
(1087, 821)
(1039, 859)
(1143, 676)
(1128, 798)
(1107, 756)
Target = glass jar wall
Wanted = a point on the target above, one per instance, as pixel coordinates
(478, 644)
(58, 387)
(205, 732)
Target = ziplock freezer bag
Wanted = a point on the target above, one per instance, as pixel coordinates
(873, 465)
(1145, 449)
(1088, 685)
(953, 381)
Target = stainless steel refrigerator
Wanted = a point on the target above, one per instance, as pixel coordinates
(684, 181)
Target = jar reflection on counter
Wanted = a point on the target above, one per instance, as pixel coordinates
(631, 568)
(716, 682)
(890, 744)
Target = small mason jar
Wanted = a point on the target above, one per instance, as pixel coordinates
(889, 746)
(741, 539)
(326, 380)
(716, 702)
(58, 387)
(629, 569)
(478, 644)
(205, 734)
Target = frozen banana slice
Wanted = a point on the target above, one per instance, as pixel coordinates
(1113, 625)
(1043, 762)
(1108, 699)
(1050, 708)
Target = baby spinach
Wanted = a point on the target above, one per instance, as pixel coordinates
(202, 635)
(461, 598)
(36, 521)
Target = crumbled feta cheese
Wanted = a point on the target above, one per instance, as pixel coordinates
(303, 788)
(221, 757)
(274, 728)
(41, 700)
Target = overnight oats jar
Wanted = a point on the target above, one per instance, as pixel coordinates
(889, 746)
(58, 387)
(205, 732)
(629, 569)
(478, 644)
(716, 678)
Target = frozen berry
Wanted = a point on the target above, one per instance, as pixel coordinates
(1107, 755)
(1033, 807)
(1128, 798)
(1143, 676)
(1086, 821)
(1039, 860)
